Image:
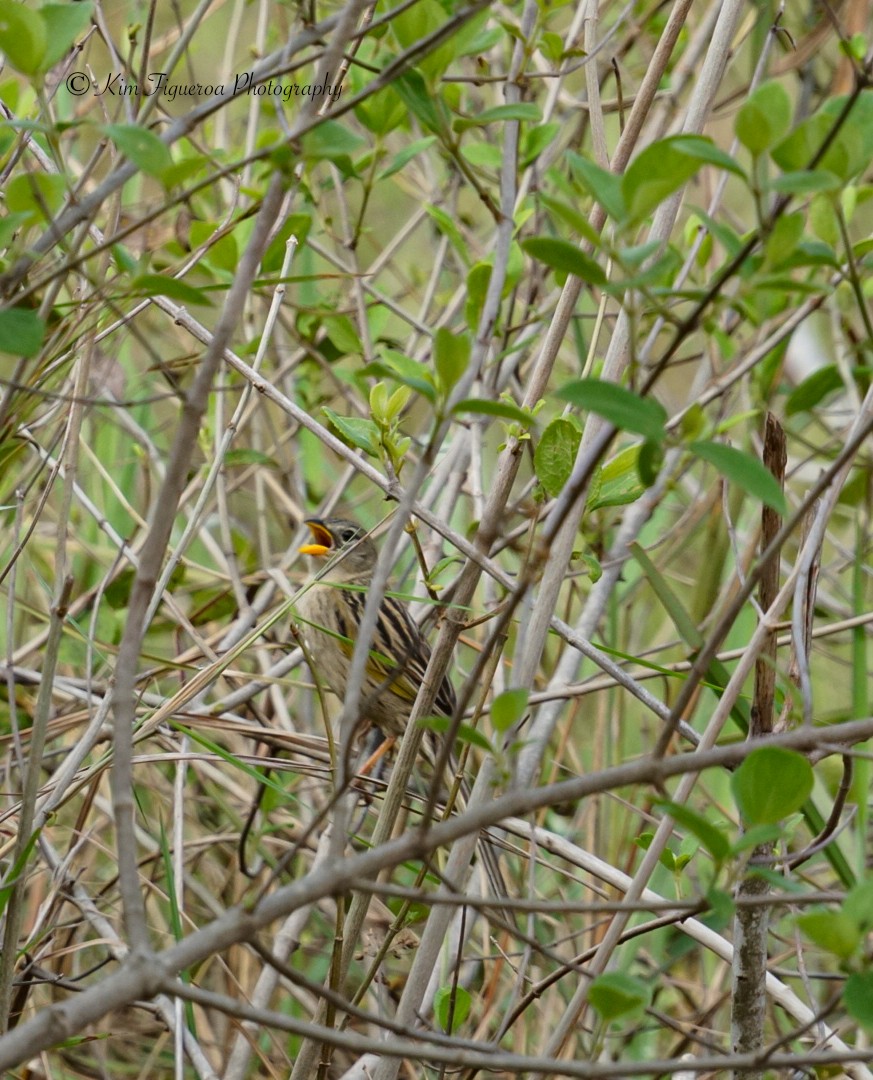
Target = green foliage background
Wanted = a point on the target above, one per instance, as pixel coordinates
(470, 144)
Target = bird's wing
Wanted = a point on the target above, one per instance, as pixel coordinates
(398, 643)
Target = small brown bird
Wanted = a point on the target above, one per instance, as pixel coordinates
(332, 608)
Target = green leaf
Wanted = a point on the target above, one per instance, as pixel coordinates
(508, 708)
(21, 332)
(357, 431)
(653, 175)
(484, 407)
(381, 113)
(783, 240)
(745, 471)
(713, 839)
(161, 285)
(499, 113)
(401, 159)
(39, 195)
(604, 186)
(649, 462)
(722, 908)
(142, 146)
(23, 37)
(248, 456)
(795, 152)
(413, 23)
(17, 869)
(446, 225)
(451, 357)
(341, 331)
(620, 406)
(483, 155)
(555, 455)
(452, 1007)
(669, 600)
(764, 118)
(729, 240)
(536, 139)
(465, 733)
(262, 777)
(804, 182)
(572, 217)
(858, 998)
(755, 837)
(478, 280)
(562, 255)
(618, 481)
(415, 95)
(330, 141)
(616, 994)
(64, 23)
(771, 783)
(833, 931)
(813, 389)
(405, 370)
(705, 151)
(858, 905)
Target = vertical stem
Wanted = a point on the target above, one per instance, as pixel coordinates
(751, 923)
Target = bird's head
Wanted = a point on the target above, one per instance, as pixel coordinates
(348, 547)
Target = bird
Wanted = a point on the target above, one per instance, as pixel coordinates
(332, 607)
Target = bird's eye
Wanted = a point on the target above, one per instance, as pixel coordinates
(348, 535)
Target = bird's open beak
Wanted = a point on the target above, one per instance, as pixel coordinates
(323, 540)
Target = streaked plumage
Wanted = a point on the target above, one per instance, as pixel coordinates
(332, 609)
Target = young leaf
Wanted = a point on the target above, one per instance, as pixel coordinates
(618, 481)
(764, 118)
(142, 146)
(620, 406)
(604, 186)
(833, 931)
(576, 220)
(21, 332)
(405, 370)
(331, 141)
(713, 839)
(555, 455)
(355, 430)
(465, 733)
(485, 407)
(656, 173)
(64, 23)
(415, 95)
(451, 357)
(162, 285)
(521, 111)
(743, 470)
(858, 905)
(562, 255)
(705, 151)
(23, 36)
(771, 783)
(448, 227)
(813, 389)
(508, 708)
(858, 998)
(404, 156)
(615, 994)
(478, 280)
(452, 1007)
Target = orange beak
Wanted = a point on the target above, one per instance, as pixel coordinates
(323, 540)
